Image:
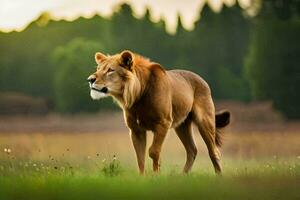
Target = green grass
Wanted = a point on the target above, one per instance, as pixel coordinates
(269, 179)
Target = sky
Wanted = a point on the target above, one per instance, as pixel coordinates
(15, 15)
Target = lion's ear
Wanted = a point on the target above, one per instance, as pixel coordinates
(99, 57)
(126, 59)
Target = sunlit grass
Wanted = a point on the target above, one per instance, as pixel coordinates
(38, 180)
(104, 167)
(107, 178)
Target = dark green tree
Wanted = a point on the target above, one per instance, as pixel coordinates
(272, 64)
(219, 44)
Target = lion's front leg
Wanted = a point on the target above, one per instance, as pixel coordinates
(160, 133)
(138, 138)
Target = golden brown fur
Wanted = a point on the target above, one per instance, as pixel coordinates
(156, 100)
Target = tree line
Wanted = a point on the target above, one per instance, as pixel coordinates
(241, 57)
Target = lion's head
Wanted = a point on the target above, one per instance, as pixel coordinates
(115, 76)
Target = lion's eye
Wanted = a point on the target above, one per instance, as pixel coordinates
(110, 70)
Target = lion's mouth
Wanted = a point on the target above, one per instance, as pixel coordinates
(97, 93)
(102, 90)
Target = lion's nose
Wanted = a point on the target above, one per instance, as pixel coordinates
(91, 80)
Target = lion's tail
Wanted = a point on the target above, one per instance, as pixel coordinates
(222, 120)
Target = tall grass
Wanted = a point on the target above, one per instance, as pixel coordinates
(103, 166)
(277, 180)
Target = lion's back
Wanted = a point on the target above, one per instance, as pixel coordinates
(194, 80)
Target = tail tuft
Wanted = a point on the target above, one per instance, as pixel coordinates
(222, 120)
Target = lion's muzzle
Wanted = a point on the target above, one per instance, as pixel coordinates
(103, 90)
(96, 92)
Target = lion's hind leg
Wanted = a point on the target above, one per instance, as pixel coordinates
(205, 121)
(185, 134)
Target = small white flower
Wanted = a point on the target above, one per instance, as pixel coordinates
(8, 150)
(5, 149)
(34, 164)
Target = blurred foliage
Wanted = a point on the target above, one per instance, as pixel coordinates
(219, 41)
(49, 60)
(272, 65)
(70, 85)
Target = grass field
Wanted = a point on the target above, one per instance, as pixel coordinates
(103, 166)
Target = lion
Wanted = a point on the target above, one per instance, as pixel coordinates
(155, 99)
